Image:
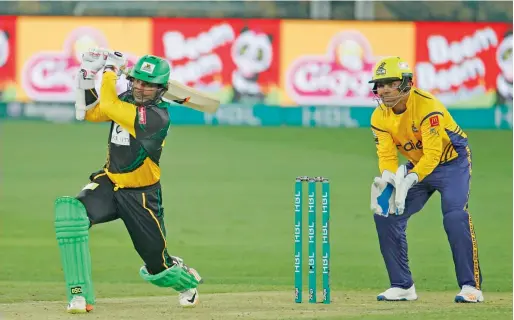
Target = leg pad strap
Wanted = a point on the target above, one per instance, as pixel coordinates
(175, 277)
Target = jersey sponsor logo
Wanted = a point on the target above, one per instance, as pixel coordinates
(409, 146)
(142, 115)
(434, 121)
(120, 136)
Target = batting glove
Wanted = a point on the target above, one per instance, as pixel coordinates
(404, 181)
(92, 62)
(116, 61)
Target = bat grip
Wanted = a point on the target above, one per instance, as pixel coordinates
(80, 114)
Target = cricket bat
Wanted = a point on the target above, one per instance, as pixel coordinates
(190, 97)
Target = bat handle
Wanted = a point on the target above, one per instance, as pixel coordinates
(80, 114)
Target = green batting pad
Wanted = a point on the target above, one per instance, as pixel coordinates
(175, 277)
(72, 232)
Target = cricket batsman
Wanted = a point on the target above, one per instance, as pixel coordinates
(439, 159)
(128, 186)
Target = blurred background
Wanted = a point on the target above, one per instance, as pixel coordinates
(473, 11)
(311, 59)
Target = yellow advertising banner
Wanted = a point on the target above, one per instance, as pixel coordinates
(49, 50)
(330, 62)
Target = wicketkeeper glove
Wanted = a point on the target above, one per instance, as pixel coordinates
(389, 177)
(403, 181)
(382, 197)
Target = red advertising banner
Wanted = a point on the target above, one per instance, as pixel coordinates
(465, 64)
(7, 58)
(234, 59)
(47, 65)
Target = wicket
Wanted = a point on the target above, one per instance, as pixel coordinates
(312, 240)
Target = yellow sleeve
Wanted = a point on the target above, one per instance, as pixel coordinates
(123, 113)
(386, 148)
(95, 114)
(432, 137)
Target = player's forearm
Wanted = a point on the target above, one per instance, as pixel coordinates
(122, 113)
(428, 162)
(108, 95)
(386, 150)
(96, 115)
(388, 163)
(93, 110)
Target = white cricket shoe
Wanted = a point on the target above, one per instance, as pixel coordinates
(398, 294)
(78, 305)
(469, 294)
(188, 298)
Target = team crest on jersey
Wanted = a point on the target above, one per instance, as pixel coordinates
(434, 132)
(414, 129)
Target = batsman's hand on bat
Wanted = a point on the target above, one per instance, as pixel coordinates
(92, 61)
(116, 61)
(403, 182)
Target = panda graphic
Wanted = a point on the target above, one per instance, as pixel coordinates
(504, 79)
(252, 54)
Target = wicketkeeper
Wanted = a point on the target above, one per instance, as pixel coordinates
(439, 159)
(128, 186)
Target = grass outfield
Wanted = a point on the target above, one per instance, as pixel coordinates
(228, 194)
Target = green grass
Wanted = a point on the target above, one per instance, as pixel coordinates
(228, 194)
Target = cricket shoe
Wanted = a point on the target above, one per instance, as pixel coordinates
(398, 294)
(188, 298)
(469, 294)
(78, 305)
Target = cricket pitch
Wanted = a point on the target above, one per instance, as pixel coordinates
(271, 305)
